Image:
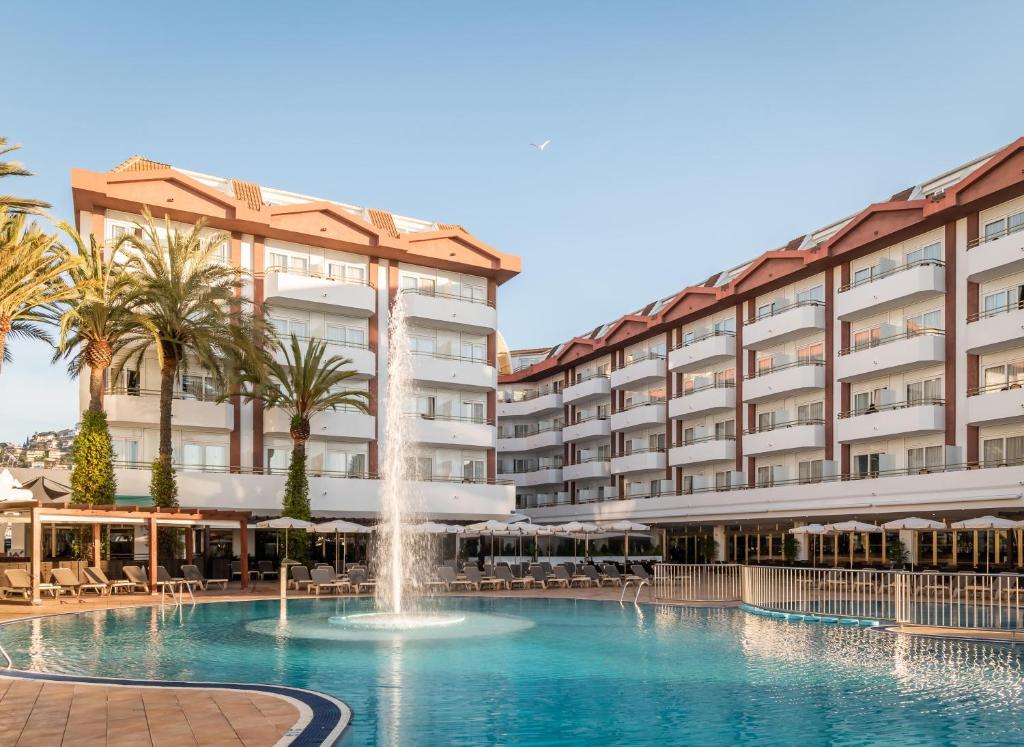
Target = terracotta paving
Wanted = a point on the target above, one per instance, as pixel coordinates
(39, 714)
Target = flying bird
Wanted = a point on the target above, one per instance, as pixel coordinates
(542, 146)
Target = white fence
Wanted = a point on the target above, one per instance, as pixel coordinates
(975, 601)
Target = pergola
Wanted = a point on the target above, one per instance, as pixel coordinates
(36, 513)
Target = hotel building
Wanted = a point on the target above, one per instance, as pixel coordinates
(330, 271)
(871, 368)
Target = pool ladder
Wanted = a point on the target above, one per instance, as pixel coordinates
(7, 658)
(639, 588)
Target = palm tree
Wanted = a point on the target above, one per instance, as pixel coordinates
(32, 283)
(13, 168)
(304, 384)
(99, 321)
(186, 306)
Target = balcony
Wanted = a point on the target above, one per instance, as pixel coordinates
(793, 435)
(703, 451)
(902, 352)
(639, 460)
(449, 311)
(587, 428)
(648, 368)
(995, 256)
(703, 352)
(533, 439)
(598, 386)
(194, 412)
(703, 400)
(451, 431)
(796, 377)
(993, 330)
(901, 285)
(784, 324)
(997, 404)
(544, 473)
(899, 419)
(641, 414)
(341, 425)
(364, 361)
(319, 292)
(596, 468)
(526, 404)
(454, 372)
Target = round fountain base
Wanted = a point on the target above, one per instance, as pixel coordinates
(396, 622)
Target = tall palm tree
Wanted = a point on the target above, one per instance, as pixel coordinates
(186, 306)
(98, 322)
(304, 384)
(13, 168)
(32, 279)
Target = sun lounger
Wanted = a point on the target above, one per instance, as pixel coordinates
(266, 570)
(96, 575)
(300, 578)
(322, 579)
(476, 578)
(504, 574)
(612, 571)
(18, 581)
(539, 577)
(68, 582)
(596, 578)
(137, 577)
(192, 574)
(437, 583)
(360, 581)
(166, 581)
(640, 572)
(562, 574)
(447, 574)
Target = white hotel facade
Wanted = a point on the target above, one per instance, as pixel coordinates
(331, 271)
(869, 369)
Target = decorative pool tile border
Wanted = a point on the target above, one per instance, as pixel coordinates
(322, 719)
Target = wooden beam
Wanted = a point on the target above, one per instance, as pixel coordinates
(243, 552)
(153, 534)
(37, 551)
(97, 549)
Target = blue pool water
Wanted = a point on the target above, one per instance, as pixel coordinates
(563, 672)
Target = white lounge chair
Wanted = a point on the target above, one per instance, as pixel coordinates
(97, 576)
(192, 574)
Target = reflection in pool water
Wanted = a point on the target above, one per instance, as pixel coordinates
(562, 672)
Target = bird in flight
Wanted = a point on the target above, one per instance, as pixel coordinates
(541, 146)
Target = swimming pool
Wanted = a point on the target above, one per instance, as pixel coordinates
(565, 672)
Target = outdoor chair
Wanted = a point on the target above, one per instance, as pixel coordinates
(359, 580)
(562, 574)
(447, 576)
(164, 580)
(612, 571)
(539, 577)
(480, 583)
(266, 570)
(300, 577)
(640, 572)
(137, 577)
(192, 574)
(68, 582)
(323, 579)
(437, 583)
(592, 573)
(96, 575)
(16, 581)
(504, 574)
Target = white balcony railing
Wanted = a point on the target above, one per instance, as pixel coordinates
(788, 379)
(784, 324)
(902, 285)
(902, 352)
(901, 419)
(703, 400)
(320, 292)
(463, 313)
(703, 352)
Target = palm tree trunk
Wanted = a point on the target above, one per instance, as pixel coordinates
(96, 388)
(167, 371)
(5, 327)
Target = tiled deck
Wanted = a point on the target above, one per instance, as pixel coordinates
(40, 714)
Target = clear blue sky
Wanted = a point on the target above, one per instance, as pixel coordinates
(686, 137)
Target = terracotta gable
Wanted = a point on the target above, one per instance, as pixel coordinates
(325, 220)
(1003, 170)
(249, 193)
(624, 328)
(167, 189)
(383, 220)
(688, 301)
(576, 349)
(767, 268)
(138, 163)
(875, 223)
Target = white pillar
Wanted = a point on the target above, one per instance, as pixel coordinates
(719, 535)
(803, 544)
(909, 540)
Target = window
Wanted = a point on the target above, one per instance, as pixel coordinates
(764, 365)
(765, 421)
(866, 465)
(924, 322)
(725, 326)
(1000, 452)
(812, 412)
(817, 293)
(868, 402)
(126, 450)
(346, 463)
(473, 411)
(423, 286)
(723, 480)
(688, 436)
(929, 391)
(1009, 224)
(473, 350)
(1004, 376)
(422, 345)
(343, 334)
(687, 484)
(286, 326)
(810, 471)
(864, 274)
(474, 469)
(425, 406)
(656, 442)
(925, 253)
(925, 458)
(277, 459)
(423, 468)
(132, 381)
(765, 476)
(867, 338)
(197, 387)
(1003, 300)
(810, 353)
(724, 378)
(288, 263)
(689, 338)
(347, 272)
(725, 429)
(204, 456)
(765, 310)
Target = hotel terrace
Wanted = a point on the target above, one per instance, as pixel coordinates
(870, 369)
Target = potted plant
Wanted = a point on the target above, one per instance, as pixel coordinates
(790, 549)
(708, 548)
(896, 552)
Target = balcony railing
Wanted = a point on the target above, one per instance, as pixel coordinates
(785, 424)
(453, 357)
(343, 280)
(892, 406)
(451, 418)
(892, 271)
(339, 343)
(533, 467)
(704, 388)
(928, 331)
(525, 395)
(782, 367)
(642, 450)
(704, 440)
(588, 460)
(470, 298)
(781, 309)
(205, 395)
(701, 338)
(1002, 386)
(641, 403)
(587, 377)
(531, 431)
(997, 311)
(649, 355)
(587, 419)
(993, 236)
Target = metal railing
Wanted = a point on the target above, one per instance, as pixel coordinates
(995, 311)
(646, 355)
(638, 403)
(903, 405)
(326, 341)
(525, 395)
(345, 279)
(206, 395)
(704, 388)
(892, 271)
(994, 235)
(451, 418)
(1002, 386)
(784, 424)
(928, 331)
(504, 433)
(581, 378)
(784, 366)
(782, 309)
(701, 338)
(697, 583)
(960, 600)
(829, 592)
(453, 357)
(443, 294)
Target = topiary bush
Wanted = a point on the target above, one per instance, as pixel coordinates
(92, 460)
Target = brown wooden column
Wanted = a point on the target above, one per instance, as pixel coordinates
(258, 267)
(668, 398)
(830, 362)
(97, 548)
(235, 438)
(153, 540)
(844, 388)
(373, 386)
(190, 544)
(243, 552)
(36, 550)
(950, 321)
(738, 416)
(972, 447)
